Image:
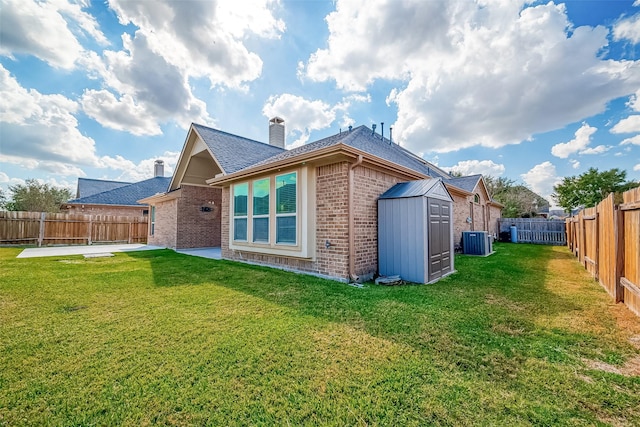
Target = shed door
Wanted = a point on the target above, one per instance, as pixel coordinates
(439, 238)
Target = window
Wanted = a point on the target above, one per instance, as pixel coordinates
(286, 208)
(240, 199)
(261, 210)
(476, 198)
(153, 220)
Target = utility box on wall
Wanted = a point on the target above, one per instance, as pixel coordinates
(477, 243)
(415, 231)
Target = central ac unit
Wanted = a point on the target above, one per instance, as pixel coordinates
(477, 243)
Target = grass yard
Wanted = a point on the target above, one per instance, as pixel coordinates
(523, 337)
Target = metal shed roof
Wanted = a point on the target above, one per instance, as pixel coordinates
(422, 188)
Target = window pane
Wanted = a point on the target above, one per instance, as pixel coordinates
(286, 229)
(261, 197)
(286, 193)
(240, 229)
(261, 230)
(240, 195)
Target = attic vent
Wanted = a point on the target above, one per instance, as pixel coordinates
(276, 132)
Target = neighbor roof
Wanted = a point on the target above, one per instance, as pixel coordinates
(88, 187)
(127, 195)
(419, 188)
(234, 152)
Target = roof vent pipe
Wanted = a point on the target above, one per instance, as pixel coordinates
(350, 127)
(373, 126)
(158, 168)
(390, 134)
(276, 132)
(382, 130)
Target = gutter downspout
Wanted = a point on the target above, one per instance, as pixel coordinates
(352, 238)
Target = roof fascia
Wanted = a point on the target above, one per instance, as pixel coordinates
(162, 197)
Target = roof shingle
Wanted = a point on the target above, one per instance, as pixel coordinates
(127, 195)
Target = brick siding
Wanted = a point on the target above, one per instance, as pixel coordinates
(165, 224)
(197, 228)
(369, 184)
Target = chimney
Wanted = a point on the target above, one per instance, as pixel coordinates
(158, 168)
(276, 132)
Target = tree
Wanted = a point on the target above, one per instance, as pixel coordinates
(591, 188)
(517, 199)
(33, 196)
(3, 199)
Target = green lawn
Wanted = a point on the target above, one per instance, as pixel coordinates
(521, 337)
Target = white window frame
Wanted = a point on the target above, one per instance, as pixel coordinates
(233, 213)
(287, 214)
(255, 216)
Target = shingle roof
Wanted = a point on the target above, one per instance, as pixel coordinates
(363, 138)
(467, 183)
(88, 187)
(234, 152)
(127, 195)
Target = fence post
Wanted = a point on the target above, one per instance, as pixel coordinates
(130, 231)
(618, 225)
(597, 255)
(90, 229)
(41, 231)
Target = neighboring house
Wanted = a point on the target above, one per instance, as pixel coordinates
(101, 197)
(312, 208)
(473, 207)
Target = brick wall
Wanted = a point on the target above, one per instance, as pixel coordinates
(332, 224)
(369, 184)
(165, 225)
(461, 211)
(197, 228)
(332, 219)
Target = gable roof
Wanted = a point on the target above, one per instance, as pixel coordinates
(127, 195)
(467, 183)
(364, 139)
(88, 187)
(233, 152)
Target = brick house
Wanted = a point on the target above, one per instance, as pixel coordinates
(311, 209)
(103, 197)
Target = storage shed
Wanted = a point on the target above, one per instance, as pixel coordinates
(415, 231)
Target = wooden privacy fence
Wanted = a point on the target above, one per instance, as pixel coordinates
(536, 230)
(606, 240)
(24, 228)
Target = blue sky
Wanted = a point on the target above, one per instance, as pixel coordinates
(531, 91)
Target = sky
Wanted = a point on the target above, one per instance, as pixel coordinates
(530, 91)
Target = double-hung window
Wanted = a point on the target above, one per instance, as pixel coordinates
(261, 189)
(286, 208)
(240, 199)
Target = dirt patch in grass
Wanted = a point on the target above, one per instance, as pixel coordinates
(631, 368)
(503, 302)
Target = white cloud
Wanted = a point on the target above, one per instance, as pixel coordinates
(46, 30)
(628, 29)
(596, 150)
(541, 179)
(472, 167)
(204, 38)
(40, 127)
(634, 140)
(577, 144)
(121, 114)
(575, 164)
(637, 167)
(473, 73)
(302, 116)
(630, 124)
(132, 172)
